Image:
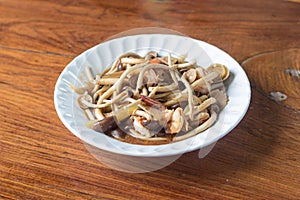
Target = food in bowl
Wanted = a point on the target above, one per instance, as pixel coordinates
(153, 99)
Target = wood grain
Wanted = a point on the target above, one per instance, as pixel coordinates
(275, 78)
(41, 159)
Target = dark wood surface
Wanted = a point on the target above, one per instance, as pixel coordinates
(41, 159)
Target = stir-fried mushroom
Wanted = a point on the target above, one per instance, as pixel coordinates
(83, 100)
(153, 98)
(150, 55)
(176, 122)
(190, 75)
(220, 69)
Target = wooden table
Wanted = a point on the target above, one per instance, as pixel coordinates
(41, 159)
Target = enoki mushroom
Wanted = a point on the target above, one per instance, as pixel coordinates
(153, 99)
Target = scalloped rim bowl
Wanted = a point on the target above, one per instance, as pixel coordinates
(102, 56)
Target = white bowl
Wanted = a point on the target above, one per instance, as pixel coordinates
(102, 56)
